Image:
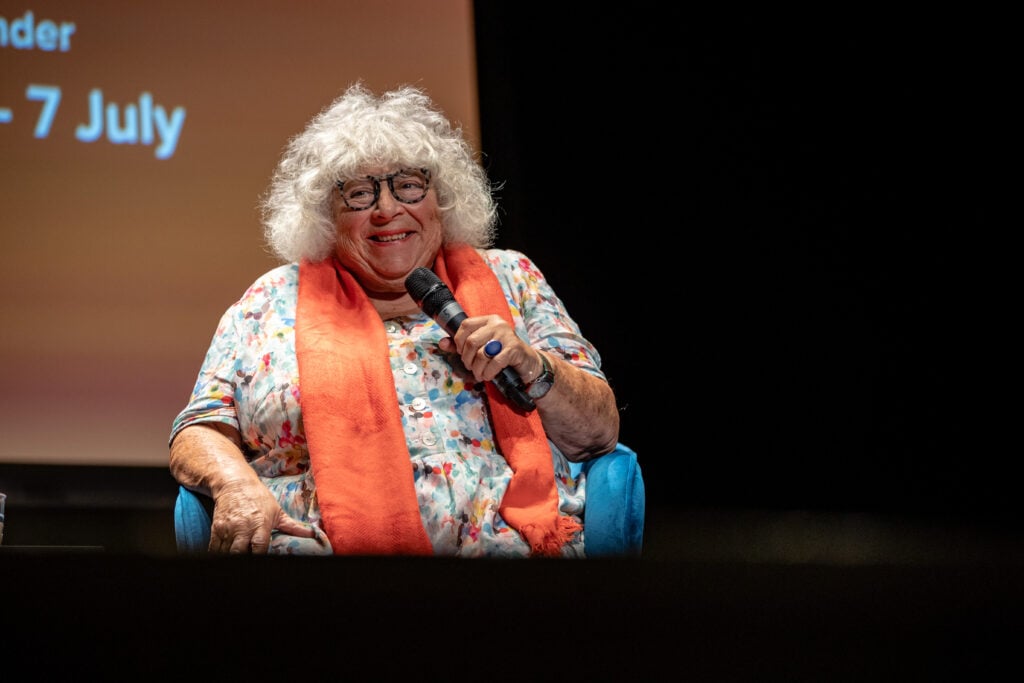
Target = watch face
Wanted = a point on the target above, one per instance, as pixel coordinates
(542, 384)
(539, 388)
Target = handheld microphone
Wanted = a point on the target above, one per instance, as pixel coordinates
(432, 295)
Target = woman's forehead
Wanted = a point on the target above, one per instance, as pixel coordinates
(378, 168)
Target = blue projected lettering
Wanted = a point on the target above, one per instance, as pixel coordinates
(144, 122)
(137, 125)
(49, 95)
(24, 33)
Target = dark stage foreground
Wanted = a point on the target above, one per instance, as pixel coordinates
(91, 613)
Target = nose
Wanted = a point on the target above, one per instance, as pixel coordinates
(386, 204)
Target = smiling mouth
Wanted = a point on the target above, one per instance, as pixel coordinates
(390, 238)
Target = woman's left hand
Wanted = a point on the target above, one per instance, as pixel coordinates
(579, 412)
(474, 334)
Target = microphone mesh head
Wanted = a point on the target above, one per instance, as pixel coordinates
(419, 282)
(428, 290)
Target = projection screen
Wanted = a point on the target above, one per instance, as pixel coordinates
(136, 141)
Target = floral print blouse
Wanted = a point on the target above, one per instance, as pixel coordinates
(249, 380)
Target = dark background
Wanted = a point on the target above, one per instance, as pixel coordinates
(769, 226)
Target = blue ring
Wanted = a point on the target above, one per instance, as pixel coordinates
(492, 348)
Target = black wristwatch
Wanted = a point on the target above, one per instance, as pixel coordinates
(542, 385)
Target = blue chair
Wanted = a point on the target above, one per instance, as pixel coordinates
(613, 518)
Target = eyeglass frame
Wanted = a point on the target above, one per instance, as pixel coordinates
(390, 178)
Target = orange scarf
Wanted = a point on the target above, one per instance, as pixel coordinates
(357, 448)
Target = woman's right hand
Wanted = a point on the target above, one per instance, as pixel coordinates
(207, 457)
(245, 514)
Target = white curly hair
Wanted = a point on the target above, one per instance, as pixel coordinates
(401, 128)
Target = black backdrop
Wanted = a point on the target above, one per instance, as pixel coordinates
(768, 226)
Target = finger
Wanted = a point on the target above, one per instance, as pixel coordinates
(293, 527)
(240, 545)
(260, 543)
(220, 537)
(220, 544)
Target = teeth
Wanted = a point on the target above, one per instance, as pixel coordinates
(391, 238)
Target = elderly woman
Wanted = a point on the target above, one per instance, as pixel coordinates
(334, 414)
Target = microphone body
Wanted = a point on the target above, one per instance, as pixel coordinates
(432, 295)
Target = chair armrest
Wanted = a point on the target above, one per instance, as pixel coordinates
(613, 519)
(192, 518)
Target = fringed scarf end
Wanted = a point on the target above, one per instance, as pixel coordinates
(549, 543)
